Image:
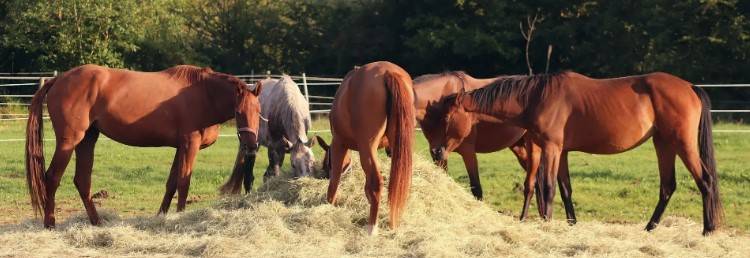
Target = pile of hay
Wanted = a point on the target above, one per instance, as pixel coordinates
(290, 218)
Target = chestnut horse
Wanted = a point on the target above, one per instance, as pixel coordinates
(374, 102)
(180, 107)
(571, 112)
(428, 90)
(476, 136)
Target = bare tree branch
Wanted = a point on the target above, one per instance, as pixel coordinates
(527, 35)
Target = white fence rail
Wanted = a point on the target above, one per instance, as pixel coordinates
(318, 104)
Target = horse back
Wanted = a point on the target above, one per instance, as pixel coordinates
(614, 115)
(135, 108)
(287, 111)
(360, 108)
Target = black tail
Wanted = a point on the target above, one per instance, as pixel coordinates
(714, 213)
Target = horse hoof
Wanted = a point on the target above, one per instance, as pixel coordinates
(572, 222)
(372, 230)
(709, 230)
(651, 226)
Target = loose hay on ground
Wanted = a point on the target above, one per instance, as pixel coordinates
(290, 218)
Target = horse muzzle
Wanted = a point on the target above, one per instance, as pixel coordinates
(250, 142)
(439, 157)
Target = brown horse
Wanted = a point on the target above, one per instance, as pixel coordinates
(428, 90)
(179, 107)
(476, 136)
(373, 103)
(571, 112)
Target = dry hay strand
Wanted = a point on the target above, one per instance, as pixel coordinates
(290, 218)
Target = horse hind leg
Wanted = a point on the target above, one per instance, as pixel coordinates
(66, 143)
(666, 156)
(373, 187)
(84, 164)
(689, 153)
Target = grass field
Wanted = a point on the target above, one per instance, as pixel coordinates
(616, 188)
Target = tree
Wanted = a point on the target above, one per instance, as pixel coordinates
(58, 35)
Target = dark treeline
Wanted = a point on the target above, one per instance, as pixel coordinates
(699, 40)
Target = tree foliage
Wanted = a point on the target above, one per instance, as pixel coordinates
(700, 40)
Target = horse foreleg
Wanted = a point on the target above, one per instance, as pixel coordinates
(528, 155)
(186, 170)
(548, 169)
(171, 186)
(472, 169)
(247, 168)
(339, 154)
(566, 191)
(275, 161)
(84, 164)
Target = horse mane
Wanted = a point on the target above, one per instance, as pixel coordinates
(282, 99)
(524, 88)
(196, 75)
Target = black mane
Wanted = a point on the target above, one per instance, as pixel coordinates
(525, 88)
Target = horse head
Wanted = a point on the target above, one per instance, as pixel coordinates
(327, 158)
(247, 116)
(303, 159)
(446, 124)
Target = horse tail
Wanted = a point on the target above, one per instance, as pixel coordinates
(715, 212)
(35, 177)
(234, 185)
(401, 128)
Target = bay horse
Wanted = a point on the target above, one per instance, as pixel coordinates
(180, 107)
(374, 102)
(568, 111)
(284, 130)
(430, 89)
(476, 136)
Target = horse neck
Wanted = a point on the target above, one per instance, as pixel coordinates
(476, 83)
(502, 111)
(223, 96)
(427, 92)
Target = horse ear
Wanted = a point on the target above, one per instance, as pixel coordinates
(258, 87)
(460, 96)
(311, 143)
(322, 143)
(287, 144)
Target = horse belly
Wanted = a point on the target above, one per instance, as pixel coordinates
(142, 133)
(609, 138)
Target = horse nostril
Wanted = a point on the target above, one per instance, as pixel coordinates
(436, 153)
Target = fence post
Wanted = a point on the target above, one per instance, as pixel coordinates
(268, 74)
(304, 85)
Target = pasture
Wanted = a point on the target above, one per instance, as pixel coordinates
(290, 218)
(614, 189)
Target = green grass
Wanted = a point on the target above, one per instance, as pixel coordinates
(611, 188)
